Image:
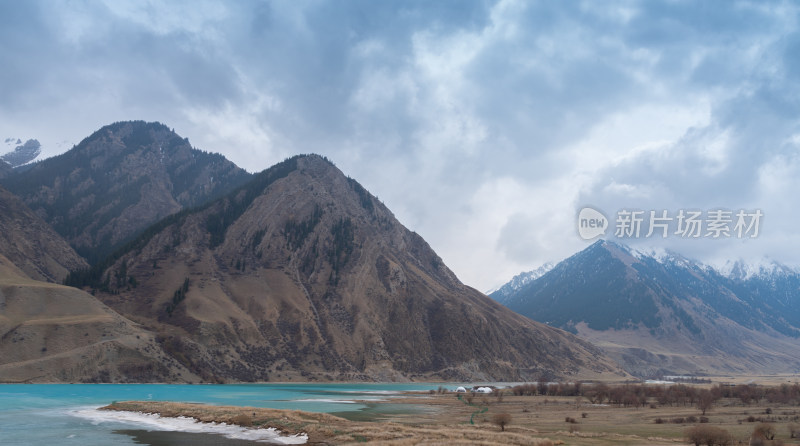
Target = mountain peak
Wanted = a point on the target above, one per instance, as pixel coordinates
(301, 273)
(22, 153)
(520, 280)
(745, 270)
(116, 182)
(635, 301)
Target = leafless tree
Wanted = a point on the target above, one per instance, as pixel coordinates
(502, 419)
(705, 399)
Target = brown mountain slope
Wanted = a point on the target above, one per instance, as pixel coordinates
(53, 333)
(120, 180)
(32, 245)
(302, 274)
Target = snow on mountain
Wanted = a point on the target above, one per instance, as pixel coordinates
(761, 268)
(518, 281)
(21, 154)
(743, 316)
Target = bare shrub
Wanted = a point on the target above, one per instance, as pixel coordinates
(708, 435)
(794, 430)
(765, 431)
(242, 420)
(502, 419)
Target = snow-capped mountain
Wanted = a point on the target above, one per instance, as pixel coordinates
(21, 153)
(763, 269)
(661, 312)
(518, 281)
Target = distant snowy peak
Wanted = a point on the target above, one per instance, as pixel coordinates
(738, 270)
(520, 280)
(657, 254)
(22, 153)
(763, 268)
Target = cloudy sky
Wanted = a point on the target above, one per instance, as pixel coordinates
(484, 125)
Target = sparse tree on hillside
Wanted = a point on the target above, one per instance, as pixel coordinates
(502, 419)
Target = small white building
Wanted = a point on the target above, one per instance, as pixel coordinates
(461, 390)
(483, 390)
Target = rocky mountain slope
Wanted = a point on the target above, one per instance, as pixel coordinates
(302, 274)
(53, 333)
(31, 245)
(118, 181)
(665, 314)
(5, 170)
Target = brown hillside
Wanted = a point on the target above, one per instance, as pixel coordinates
(302, 274)
(32, 245)
(53, 333)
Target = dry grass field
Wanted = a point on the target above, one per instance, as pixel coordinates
(447, 418)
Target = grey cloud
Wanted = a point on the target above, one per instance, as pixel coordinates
(347, 79)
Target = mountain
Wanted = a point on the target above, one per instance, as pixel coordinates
(5, 170)
(22, 153)
(31, 245)
(666, 314)
(118, 181)
(301, 274)
(509, 289)
(54, 333)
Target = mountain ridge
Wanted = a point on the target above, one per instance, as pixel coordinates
(635, 303)
(32, 245)
(306, 275)
(119, 180)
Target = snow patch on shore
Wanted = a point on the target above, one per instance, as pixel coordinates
(187, 424)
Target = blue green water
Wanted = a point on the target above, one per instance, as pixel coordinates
(63, 414)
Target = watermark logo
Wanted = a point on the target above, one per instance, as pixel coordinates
(591, 223)
(634, 224)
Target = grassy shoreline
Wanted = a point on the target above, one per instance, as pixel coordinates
(323, 429)
(434, 418)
